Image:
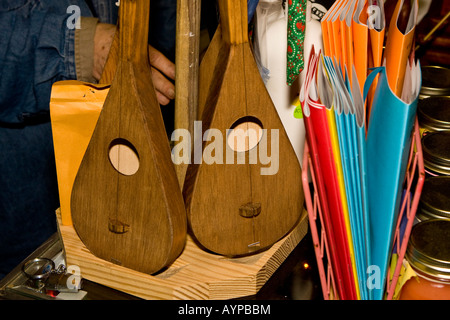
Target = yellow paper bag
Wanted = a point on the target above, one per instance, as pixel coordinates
(74, 110)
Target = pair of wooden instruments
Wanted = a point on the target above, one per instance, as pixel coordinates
(135, 215)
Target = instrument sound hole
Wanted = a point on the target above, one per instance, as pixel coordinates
(245, 134)
(124, 157)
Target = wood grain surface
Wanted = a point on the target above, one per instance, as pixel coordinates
(195, 275)
(187, 71)
(136, 220)
(216, 194)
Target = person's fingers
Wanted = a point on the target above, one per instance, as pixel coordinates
(163, 86)
(162, 68)
(162, 99)
(160, 62)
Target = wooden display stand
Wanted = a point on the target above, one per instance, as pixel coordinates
(195, 275)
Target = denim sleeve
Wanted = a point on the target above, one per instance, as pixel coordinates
(106, 10)
(36, 49)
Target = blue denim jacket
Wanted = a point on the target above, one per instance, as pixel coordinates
(36, 49)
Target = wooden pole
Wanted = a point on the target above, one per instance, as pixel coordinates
(186, 68)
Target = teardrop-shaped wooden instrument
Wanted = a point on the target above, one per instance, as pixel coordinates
(237, 209)
(126, 204)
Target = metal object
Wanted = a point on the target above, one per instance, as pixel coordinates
(429, 249)
(41, 275)
(434, 113)
(44, 276)
(435, 81)
(436, 153)
(38, 268)
(435, 199)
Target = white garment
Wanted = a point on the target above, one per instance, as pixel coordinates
(270, 50)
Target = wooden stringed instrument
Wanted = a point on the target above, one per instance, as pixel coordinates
(235, 209)
(127, 206)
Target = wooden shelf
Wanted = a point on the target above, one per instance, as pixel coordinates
(195, 275)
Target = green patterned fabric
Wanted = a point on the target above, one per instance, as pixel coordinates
(295, 38)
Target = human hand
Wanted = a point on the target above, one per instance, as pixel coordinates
(163, 70)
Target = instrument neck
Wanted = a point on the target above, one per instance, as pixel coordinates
(133, 29)
(234, 21)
